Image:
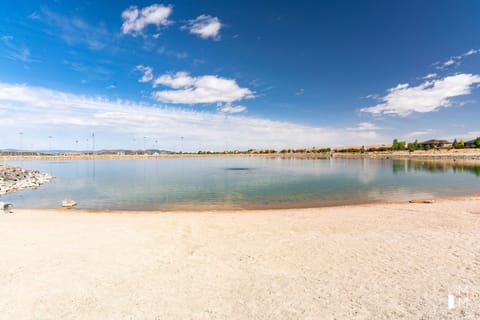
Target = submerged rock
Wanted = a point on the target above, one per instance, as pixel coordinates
(14, 179)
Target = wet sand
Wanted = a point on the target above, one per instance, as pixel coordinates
(381, 261)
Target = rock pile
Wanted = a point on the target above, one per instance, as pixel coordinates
(14, 179)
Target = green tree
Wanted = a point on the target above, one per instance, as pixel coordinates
(414, 146)
(395, 144)
(477, 142)
(398, 145)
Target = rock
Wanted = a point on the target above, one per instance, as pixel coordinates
(68, 203)
(422, 201)
(15, 179)
(6, 207)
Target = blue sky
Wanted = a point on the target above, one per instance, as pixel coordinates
(237, 75)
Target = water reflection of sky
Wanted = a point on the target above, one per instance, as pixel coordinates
(225, 183)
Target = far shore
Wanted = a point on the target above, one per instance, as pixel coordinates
(376, 261)
(434, 154)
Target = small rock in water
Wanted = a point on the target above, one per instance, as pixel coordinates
(68, 203)
(6, 207)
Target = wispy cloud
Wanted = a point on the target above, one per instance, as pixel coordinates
(203, 89)
(147, 73)
(430, 76)
(205, 26)
(136, 20)
(365, 126)
(228, 108)
(419, 134)
(455, 60)
(300, 92)
(15, 51)
(429, 96)
(76, 31)
(35, 109)
(448, 63)
(172, 53)
(34, 16)
(91, 69)
(471, 52)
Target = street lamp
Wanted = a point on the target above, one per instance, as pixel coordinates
(50, 143)
(21, 140)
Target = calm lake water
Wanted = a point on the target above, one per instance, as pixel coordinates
(241, 183)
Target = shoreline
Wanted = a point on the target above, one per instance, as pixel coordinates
(355, 262)
(417, 201)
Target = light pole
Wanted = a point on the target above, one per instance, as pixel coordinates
(50, 143)
(21, 140)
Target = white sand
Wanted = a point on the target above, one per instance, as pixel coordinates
(392, 261)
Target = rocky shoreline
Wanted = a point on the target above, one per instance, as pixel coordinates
(14, 179)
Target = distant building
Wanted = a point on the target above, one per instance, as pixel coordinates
(437, 143)
(470, 144)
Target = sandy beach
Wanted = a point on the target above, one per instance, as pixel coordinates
(388, 261)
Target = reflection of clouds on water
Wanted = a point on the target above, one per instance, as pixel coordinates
(366, 177)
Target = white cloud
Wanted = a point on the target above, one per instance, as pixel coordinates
(181, 79)
(429, 96)
(203, 89)
(471, 52)
(228, 108)
(40, 112)
(447, 63)
(147, 73)
(430, 76)
(365, 126)
(135, 20)
(205, 27)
